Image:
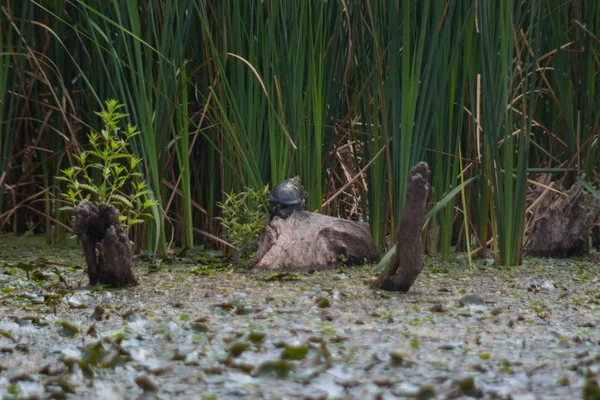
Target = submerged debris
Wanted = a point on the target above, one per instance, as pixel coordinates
(146, 383)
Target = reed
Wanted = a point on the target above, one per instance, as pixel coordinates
(349, 95)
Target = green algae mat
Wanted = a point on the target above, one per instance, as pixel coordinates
(196, 328)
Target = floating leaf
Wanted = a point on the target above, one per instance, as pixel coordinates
(6, 334)
(323, 302)
(27, 267)
(68, 329)
(279, 368)
(282, 276)
(256, 337)
(468, 388)
(146, 383)
(292, 352)
(237, 348)
(200, 327)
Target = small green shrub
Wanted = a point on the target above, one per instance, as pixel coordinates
(244, 218)
(107, 171)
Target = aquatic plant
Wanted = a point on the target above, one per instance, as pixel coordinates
(108, 173)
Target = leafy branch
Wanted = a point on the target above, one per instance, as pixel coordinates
(108, 170)
(244, 217)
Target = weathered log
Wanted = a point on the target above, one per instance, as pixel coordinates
(400, 272)
(307, 241)
(562, 222)
(105, 244)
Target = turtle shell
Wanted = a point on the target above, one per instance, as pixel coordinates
(288, 192)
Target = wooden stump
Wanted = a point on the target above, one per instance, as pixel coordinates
(105, 244)
(562, 223)
(308, 241)
(400, 272)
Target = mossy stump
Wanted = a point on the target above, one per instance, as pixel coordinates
(105, 244)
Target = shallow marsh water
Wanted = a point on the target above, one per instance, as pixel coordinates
(196, 329)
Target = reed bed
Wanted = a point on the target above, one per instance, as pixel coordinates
(347, 94)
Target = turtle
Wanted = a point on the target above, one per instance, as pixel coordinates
(287, 196)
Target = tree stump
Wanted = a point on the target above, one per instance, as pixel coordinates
(307, 241)
(406, 263)
(562, 222)
(105, 244)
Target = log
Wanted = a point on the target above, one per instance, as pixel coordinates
(562, 222)
(105, 244)
(406, 263)
(307, 241)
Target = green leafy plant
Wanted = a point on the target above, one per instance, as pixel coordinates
(244, 217)
(107, 171)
